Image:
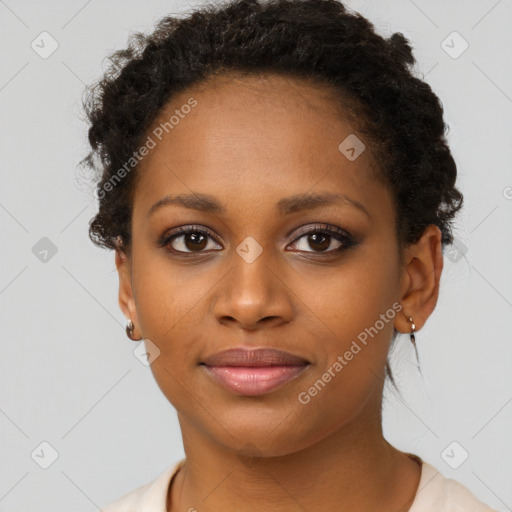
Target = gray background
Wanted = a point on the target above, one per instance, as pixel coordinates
(68, 373)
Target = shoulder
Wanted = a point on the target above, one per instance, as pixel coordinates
(436, 492)
(151, 497)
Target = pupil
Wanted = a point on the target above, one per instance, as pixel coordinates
(194, 237)
(315, 236)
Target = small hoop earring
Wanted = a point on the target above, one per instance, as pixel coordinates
(129, 331)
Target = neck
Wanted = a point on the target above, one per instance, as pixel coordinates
(352, 468)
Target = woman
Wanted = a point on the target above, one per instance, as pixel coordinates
(278, 191)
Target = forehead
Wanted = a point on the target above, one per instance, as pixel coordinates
(248, 138)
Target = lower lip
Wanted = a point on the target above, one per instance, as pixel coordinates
(252, 380)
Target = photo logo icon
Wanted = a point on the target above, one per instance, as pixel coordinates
(249, 249)
(351, 147)
(44, 455)
(454, 455)
(454, 45)
(456, 250)
(146, 352)
(44, 250)
(44, 45)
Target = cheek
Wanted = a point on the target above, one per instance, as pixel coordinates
(166, 294)
(345, 300)
(355, 307)
(168, 303)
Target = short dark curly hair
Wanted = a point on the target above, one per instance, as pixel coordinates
(319, 40)
(316, 39)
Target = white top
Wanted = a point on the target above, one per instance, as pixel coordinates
(435, 493)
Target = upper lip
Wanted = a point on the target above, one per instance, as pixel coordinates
(243, 356)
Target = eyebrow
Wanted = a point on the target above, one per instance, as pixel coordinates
(285, 206)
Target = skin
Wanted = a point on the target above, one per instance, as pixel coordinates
(250, 142)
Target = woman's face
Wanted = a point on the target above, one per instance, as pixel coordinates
(247, 149)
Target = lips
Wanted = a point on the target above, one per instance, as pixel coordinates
(253, 371)
(254, 357)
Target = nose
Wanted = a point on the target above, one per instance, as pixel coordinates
(253, 295)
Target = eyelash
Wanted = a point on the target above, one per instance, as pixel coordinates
(339, 234)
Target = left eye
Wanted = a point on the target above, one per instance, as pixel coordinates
(320, 240)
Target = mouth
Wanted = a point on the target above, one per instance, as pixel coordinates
(253, 371)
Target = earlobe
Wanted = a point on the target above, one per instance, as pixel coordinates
(422, 269)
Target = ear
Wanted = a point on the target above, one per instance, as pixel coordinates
(421, 274)
(126, 299)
